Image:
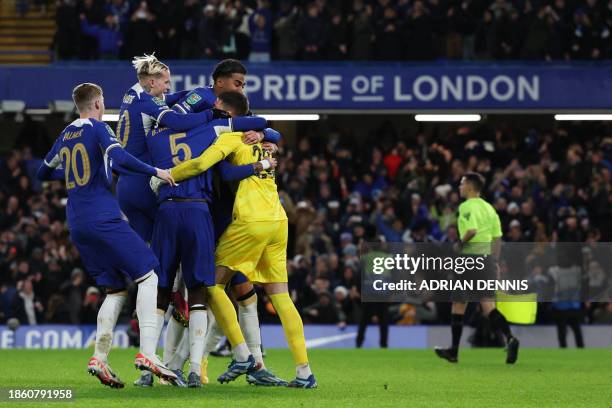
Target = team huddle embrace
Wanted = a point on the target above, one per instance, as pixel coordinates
(197, 186)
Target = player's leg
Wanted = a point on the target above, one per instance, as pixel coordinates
(138, 203)
(181, 354)
(499, 322)
(107, 319)
(226, 317)
(197, 249)
(178, 312)
(88, 241)
(179, 317)
(457, 312)
(272, 273)
(246, 298)
(214, 334)
(294, 333)
(197, 334)
(133, 257)
(240, 248)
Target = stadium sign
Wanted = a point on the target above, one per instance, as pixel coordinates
(339, 86)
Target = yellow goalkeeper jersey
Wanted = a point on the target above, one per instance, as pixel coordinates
(256, 197)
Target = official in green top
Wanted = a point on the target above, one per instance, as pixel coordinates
(480, 233)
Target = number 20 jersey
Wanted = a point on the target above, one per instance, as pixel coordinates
(82, 149)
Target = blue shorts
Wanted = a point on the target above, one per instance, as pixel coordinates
(112, 251)
(183, 234)
(138, 202)
(238, 279)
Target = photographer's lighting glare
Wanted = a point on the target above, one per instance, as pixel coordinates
(448, 118)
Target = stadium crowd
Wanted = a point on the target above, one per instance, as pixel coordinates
(546, 184)
(335, 30)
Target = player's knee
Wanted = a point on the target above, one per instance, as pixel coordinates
(196, 296)
(247, 298)
(197, 307)
(149, 279)
(163, 298)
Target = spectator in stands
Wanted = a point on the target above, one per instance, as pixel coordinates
(74, 291)
(166, 29)
(141, 36)
(362, 32)
(210, 25)
(286, 32)
(312, 33)
(260, 25)
(26, 306)
(325, 311)
(389, 36)
(108, 35)
(91, 306)
(120, 9)
(94, 14)
(189, 18)
(66, 21)
(337, 45)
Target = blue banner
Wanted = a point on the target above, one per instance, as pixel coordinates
(335, 86)
(317, 336)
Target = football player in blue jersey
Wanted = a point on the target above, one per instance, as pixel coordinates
(110, 249)
(230, 75)
(183, 230)
(144, 106)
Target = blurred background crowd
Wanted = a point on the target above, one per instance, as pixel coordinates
(260, 30)
(398, 185)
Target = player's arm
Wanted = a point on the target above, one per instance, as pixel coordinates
(195, 101)
(497, 239)
(164, 116)
(271, 136)
(230, 172)
(173, 98)
(468, 224)
(230, 131)
(122, 159)
(50, 168)
(226, 143)
(268, 135)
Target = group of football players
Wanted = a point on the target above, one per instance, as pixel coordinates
(204, 220)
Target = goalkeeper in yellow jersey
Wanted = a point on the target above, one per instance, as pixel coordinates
(255, 244)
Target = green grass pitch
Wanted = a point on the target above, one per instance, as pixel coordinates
(347, 378)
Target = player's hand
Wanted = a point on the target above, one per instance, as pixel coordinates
(270, 147)
(155, 184)
(273, 162)
(220, 114)
(252, 137)
(166, 176)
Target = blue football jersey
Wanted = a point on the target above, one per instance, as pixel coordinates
(138, 114)
(197, 100)
(81, 150)
(169, 148)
